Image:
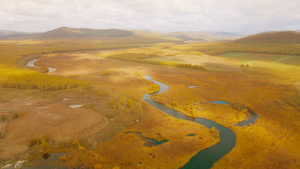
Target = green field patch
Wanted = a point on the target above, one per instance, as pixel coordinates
(230, 55)
(164, 60)
(283, 58)
(271, 58)
(290, 60)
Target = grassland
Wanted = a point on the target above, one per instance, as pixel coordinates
(275, 106)
(227, 47)
(281, 37)
(106, 77)
(148, 55)
(273, 102)
(12, 76)
(107, 108)
(283, 68)
(271, 76)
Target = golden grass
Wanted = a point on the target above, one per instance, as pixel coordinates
(280, 68)
(25, 79)
(281, 37)
(126, 82)
(179, 148)
(148, 55)
(272, 101)
(271, 136)
(271, 141)
(226, 47)
(12, 54)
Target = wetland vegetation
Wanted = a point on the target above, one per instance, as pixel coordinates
(98, 109)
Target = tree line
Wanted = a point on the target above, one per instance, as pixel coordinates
(26, 79)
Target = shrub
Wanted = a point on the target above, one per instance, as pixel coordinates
(3, 118)
(175, 104)
(43, 142)
(112, 102)
(154, 88)
(62, 158)
(15, 116)
(44, 145)
(214, 132)
(117, 166)
(76, 142)
(21, 114)
(81, 148)
(33, 142)
(106, 73)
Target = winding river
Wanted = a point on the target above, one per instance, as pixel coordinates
(207, 157)
(31, 64)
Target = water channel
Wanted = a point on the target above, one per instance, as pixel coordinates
(207, 157)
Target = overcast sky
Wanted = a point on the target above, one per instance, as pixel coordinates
(243, 16)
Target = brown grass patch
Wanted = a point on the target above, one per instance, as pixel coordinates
(46, 117)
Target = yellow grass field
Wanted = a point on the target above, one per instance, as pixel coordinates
(103, 115)
(110, 85)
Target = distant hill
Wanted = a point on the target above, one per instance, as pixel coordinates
(8, 32)
(205, 35)
(150, 34)
(281, 37)
(65, 32)
(196, 36)
(80, 33)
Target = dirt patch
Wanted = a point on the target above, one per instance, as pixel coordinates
(43, 117)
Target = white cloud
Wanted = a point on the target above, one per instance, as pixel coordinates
(168, 15)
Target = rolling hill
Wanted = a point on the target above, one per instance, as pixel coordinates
(65, 32)
(84, 33)
(205, 35)
(192, 36)
(281, 37)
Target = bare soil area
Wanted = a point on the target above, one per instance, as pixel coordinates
(52, 117)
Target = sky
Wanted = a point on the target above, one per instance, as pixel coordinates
(240, 16)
